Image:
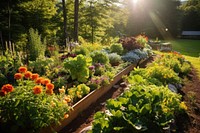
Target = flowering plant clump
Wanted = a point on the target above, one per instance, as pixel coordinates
(176, 62)
(31, 104)
(142, 40)
(77, 92)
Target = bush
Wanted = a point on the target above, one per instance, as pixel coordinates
(99, 57)
(114, 59)
(116, 48)
(35, 47)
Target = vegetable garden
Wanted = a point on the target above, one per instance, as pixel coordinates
(43, 94)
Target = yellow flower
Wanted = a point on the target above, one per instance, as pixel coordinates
(183, 106)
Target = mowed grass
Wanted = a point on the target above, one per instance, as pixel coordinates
(190, 49)
(187, 47)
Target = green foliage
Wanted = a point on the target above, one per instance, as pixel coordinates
(176, 62)
(41, 65)
(114, 59)
(78, 67)
(99, 57)
(81, 50)
(163, 74)
(58, 75)
(116, 48)
(141, 108)
(36, 48)
(25, 109)
(191, 13)
(78, 92)
(9, 64)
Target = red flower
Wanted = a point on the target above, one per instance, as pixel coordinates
(22, 69)
(34, 76)
(18, 76)
(7, 88)
(3, 93)
(46, 81)
(50, 86)
(37, 89)
(39, 80)
(49, 91)
(28, 75)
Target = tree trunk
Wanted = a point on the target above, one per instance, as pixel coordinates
(76, 9)
(65, 22)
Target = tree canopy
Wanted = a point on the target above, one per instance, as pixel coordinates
(94, 20)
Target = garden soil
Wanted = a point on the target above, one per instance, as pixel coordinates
(187, 123)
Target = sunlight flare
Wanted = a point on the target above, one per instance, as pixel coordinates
(135, 1)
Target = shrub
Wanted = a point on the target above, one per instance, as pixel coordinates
(35, 47)
(99, 57)
(114, 59)
(116, 48)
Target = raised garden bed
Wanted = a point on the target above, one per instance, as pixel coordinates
(85, 102)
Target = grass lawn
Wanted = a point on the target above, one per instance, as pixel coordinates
(190, 49)
(187, 47)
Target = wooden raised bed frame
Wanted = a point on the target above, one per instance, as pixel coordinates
(86, 101)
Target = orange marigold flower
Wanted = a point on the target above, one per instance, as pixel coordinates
(22, 69)
(3, 93)
(34, 76)
(67, 99)
(46, 81)
(18, 76)
(48, 91)
(39, 80)
(7, 88)
(50, 86)
(28, 75)
(37, 89)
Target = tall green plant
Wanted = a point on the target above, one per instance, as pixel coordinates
(35, 47)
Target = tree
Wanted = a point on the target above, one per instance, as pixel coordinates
(65, 21)
(191, 15)
(154, 17)
(76, 10)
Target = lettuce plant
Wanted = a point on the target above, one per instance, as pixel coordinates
(141, 108)
(78, 67)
